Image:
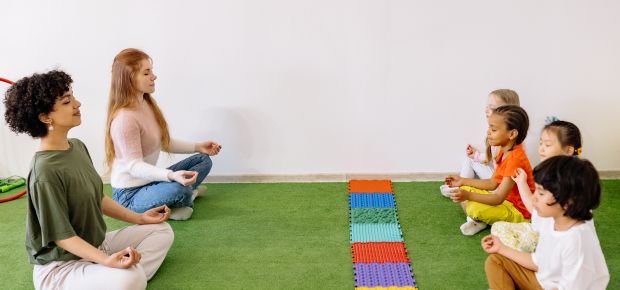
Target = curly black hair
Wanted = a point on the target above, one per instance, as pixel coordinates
(31, 96)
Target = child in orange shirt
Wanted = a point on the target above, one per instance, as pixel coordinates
(486, 201)
(480, 164)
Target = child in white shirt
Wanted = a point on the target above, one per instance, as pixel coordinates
(568, 254)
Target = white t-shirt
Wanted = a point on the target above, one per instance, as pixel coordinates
(570, 259)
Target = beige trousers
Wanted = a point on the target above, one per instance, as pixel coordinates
(151, 241)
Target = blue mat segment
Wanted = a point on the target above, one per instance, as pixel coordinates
(372, 200)
(376, 233)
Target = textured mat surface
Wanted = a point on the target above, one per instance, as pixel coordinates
(373, 216)
(370, 186)
(383, 252)
(383, 274)
(387, 288)
(373, 200)
(376, 233)
(377, 246)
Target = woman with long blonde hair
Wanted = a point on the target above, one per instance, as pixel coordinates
(136, 132)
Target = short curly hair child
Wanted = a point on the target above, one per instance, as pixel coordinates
(31, 96)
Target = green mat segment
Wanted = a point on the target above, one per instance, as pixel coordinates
(373, 216)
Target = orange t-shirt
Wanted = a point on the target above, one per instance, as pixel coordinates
(516, 159)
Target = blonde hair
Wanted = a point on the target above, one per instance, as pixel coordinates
(123, 94)
(508, 97)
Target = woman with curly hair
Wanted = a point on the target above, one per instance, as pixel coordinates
(136, 132)
(66, 237)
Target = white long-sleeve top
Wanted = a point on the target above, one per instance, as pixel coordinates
(137, 144)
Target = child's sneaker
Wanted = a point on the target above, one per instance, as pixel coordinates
(181, 213)
(446, 190)
(472, 227)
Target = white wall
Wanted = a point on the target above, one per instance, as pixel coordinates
(324, 86)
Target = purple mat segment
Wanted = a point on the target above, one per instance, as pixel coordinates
(383, 275)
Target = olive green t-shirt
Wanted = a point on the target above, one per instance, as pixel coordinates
(64, 200)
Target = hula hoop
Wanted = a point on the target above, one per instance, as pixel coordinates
(23, 192)
(6, 81)
(13, 197)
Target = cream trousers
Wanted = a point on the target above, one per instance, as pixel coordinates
(151, 241)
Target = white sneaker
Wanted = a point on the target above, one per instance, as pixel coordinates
(446, 190)
(471, 227)
(181, 213)
(199, 191)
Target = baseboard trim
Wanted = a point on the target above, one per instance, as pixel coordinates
(326, 177)
(340, 177)
(344, 177)
(609, 174)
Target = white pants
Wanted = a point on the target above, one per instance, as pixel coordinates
(151, 241)
(473, 169)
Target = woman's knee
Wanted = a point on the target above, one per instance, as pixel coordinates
(206, 160)
(180, 196)
(128, 279)
(172, 194)
(166, 233)
(182, 193)
(138, 209)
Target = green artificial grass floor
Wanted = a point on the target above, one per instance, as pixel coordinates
(296, 236)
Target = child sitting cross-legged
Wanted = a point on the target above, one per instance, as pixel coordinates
(480, 164)
(568, 254)
(486, 201)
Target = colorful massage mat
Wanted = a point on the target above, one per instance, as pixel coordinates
(380, 259)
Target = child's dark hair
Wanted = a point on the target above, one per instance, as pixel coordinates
(574, 183)
(516, 119)
(568, 134)
(31, 96)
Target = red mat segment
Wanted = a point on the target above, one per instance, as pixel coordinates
(379, 252)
